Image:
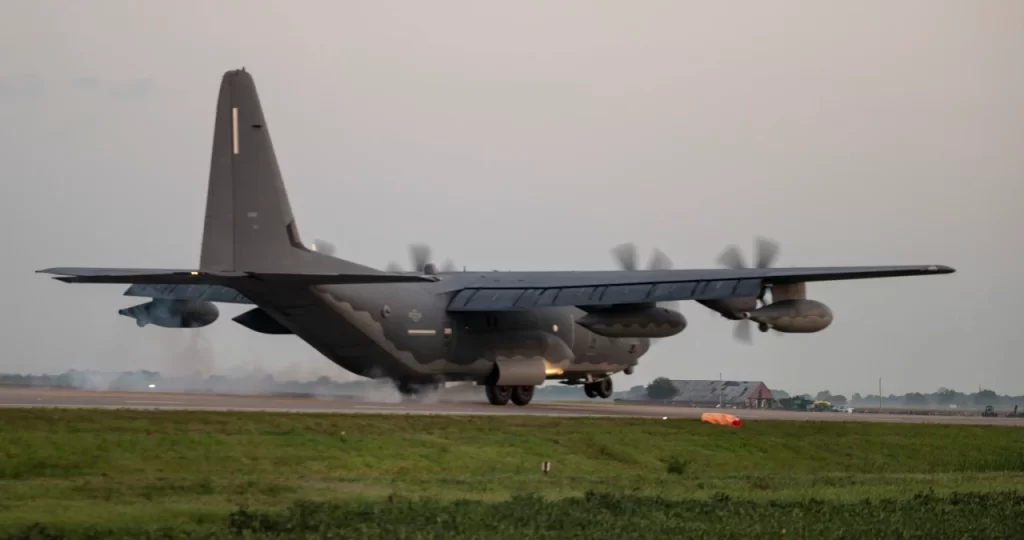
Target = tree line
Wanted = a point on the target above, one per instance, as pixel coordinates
(662, 389)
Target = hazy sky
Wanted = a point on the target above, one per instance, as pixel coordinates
(537, 135)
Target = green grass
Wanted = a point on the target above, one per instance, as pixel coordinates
(132, 469)
(623, 517)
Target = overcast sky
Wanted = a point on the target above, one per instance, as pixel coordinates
(537, 135)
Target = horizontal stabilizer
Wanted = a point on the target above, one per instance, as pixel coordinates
(196, 277)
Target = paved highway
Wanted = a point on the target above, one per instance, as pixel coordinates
(30, 397)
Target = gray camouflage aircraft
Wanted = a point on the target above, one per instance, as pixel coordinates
(508, 331)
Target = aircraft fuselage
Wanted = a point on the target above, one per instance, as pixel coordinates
(404, 332)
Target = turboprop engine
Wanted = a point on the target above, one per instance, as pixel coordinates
(173, 313)
(652, 322)
(789, 311)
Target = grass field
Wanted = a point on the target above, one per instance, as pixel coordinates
(193, 471)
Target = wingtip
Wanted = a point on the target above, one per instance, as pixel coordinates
(941, 269)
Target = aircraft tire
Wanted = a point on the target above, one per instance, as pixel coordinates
(498, 395)
(522, 395)
(604, 388)
(590, 390)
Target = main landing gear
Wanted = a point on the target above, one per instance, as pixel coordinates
(501, 395)
(601, 389)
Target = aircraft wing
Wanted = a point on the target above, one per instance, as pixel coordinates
(506, 291)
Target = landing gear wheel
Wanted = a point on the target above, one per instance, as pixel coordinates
(521, 395)
(498, 395)
(604, 388)
(763, 327)
(590, 390)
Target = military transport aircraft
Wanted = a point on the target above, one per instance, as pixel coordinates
(508, 331)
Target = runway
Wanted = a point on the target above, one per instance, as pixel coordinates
(31, 397)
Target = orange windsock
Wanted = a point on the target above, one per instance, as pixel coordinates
(721, 419)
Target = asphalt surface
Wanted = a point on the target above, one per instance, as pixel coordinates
(31, 397)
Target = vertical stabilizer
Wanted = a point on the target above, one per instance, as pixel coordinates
(249, 224)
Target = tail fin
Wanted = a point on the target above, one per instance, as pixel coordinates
(249, 224)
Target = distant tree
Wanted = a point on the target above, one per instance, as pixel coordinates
(946, 396)
(824, 395)
(857, 398)
(661, 389)
(838, 400)
(780, 394)
(915, 399)
(985, 397)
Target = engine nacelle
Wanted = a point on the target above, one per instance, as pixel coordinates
(651, 322)
(173, 313)
(798, 316)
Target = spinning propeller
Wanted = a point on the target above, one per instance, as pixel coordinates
(766, 251)
(419, 255)
(626, 255)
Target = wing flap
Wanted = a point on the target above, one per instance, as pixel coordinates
(490, 299)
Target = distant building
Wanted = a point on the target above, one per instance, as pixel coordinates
(739, 394)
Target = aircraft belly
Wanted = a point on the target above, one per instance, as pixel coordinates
(339, 334)
(411, 338)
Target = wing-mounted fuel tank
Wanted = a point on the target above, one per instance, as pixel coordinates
(638, 322)
(790, 311)
(173, 313)
(794, 316)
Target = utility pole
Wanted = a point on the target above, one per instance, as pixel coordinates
(879, 393)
